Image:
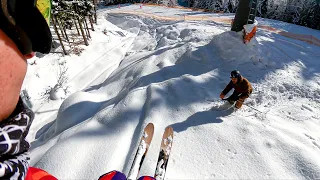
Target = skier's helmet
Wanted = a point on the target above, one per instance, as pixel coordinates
(22, 21)
(235, 74)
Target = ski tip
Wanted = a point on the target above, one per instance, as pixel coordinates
(149, 126)
(169, 128)
(148, 133)
(168, 132)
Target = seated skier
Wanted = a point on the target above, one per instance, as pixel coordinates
(242, 89)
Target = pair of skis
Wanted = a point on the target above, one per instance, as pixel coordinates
(163, 158)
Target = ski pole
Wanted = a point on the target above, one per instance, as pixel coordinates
(253, 108)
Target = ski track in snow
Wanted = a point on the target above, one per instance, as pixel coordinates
(172, 73)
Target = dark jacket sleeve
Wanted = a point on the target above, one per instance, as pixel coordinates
(248, 90)
(228, 88)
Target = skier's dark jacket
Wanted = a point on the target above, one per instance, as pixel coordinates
(242, 87)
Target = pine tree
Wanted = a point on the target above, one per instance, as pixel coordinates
(264, 8)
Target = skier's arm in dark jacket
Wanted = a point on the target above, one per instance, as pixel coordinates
(248, 90)
(228, 88)
(245, 95)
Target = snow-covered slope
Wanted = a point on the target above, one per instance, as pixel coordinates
(172, 74)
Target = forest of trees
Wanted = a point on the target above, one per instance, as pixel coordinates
(164, 2)
(68, 16)
(300, 12)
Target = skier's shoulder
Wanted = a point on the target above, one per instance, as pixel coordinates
(245, 83)
(245, 80)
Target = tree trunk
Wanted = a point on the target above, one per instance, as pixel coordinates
(65, 32)
(75, 23)
(87, 28)
(95, 13)
(264, 9)
(91, 22)
(60, 27)
(242, 14)
(82, 32)
(56, 30)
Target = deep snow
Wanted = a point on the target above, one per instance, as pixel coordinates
(171, 73)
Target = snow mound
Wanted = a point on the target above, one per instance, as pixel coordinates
(164, 41)
(57, 93)
(174, 82)
(230, 48)
(164, 63)
(173, 35)
(185, 33)
(192, 35)
(69, 113)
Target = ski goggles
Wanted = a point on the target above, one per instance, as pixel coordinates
(234, 76)
(22, 21)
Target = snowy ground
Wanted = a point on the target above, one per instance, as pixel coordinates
(170, 73)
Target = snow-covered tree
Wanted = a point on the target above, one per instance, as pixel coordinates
(69, 13)
(302, 12)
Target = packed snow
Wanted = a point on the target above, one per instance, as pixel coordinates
(139, 69)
